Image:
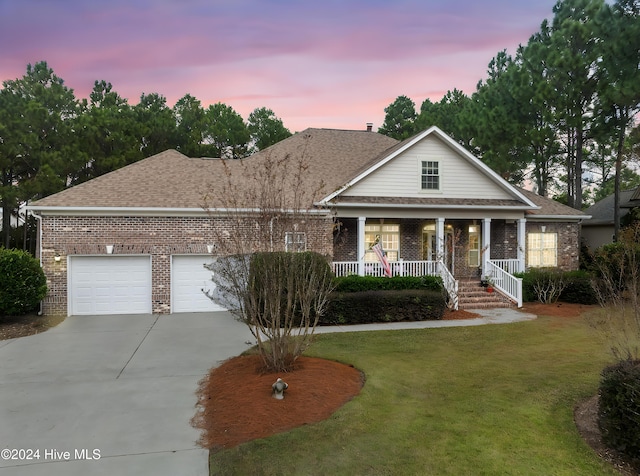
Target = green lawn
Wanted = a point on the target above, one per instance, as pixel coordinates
(487, 400)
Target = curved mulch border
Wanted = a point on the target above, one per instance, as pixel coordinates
(236, 405)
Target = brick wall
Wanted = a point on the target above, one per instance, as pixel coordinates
(504, 240)
(345, 240)
(568, 242)
(160, 237)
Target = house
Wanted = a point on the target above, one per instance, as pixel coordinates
(599, 229)
(135, 240)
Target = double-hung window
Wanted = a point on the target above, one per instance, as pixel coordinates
(542, 250)
(295, 241)
(430, 175)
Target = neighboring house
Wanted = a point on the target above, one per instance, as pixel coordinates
(16, 220)
(135, 240)
(599, 229)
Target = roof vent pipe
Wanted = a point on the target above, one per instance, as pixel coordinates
(369, 126)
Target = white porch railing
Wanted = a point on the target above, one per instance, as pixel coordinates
(511, 266)
(398, 268)
(404, 268)
(505, 282)
(344, 268)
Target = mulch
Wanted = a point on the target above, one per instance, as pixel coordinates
(236, 403)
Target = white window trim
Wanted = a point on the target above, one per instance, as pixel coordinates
(476, 250)
(370, 255)
(293, 240)
(540, 251)
(430, 190)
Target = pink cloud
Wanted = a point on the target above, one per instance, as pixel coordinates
(325, 64)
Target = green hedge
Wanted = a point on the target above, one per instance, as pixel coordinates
(384, 306)
(619, 407)
(578, 285)
(22, 282)
(353, 283)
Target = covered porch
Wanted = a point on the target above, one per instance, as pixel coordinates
(454, 249)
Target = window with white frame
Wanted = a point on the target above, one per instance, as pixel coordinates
(388, 234)
(430, 175)
(295, 241)
(474, 246)
(542, 250)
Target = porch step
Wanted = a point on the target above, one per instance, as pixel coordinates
(471, 295)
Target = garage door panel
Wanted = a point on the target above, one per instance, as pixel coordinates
(188, 279)
(110, 285)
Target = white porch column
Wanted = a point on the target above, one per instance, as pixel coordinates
(486, 244)
(522, 243)
(361, 223)
(440, 239)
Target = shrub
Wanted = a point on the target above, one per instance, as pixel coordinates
(22, 282)
(353, 283)
(544, 285)
(615, 264)
(384, 306)
(288, 289)
(579, 288)
(619, 407)
(549, 284)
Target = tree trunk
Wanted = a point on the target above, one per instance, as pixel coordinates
(7, 208)
(570, 168)
(577, 177)
(616, 182)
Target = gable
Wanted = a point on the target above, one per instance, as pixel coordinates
(459, 177)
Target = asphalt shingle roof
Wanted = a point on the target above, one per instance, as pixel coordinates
(173, 180)
(602, 211)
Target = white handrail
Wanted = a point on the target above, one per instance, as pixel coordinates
(450, 284)
(505, 282)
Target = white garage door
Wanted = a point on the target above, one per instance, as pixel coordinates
(109, 285)
(188, 278)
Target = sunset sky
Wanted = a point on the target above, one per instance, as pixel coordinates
(324, 63)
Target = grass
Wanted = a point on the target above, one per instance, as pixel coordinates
(481, 400)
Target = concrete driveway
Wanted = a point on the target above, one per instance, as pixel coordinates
(105, 395)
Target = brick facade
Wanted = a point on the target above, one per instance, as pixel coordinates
(159, 237)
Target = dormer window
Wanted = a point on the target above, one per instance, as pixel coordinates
(430, 175)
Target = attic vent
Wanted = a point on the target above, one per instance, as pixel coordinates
(369, 126)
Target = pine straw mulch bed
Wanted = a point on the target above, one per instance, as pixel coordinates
(236, 405)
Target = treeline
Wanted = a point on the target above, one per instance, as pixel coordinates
(559, 114)
(50, 140)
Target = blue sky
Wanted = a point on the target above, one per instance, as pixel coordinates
(334, 64)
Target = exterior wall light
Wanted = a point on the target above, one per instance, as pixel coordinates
(56, 258)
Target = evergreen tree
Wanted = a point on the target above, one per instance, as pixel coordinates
(400, 117)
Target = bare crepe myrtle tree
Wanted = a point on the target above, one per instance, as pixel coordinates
(617, 288)
(263, 218)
